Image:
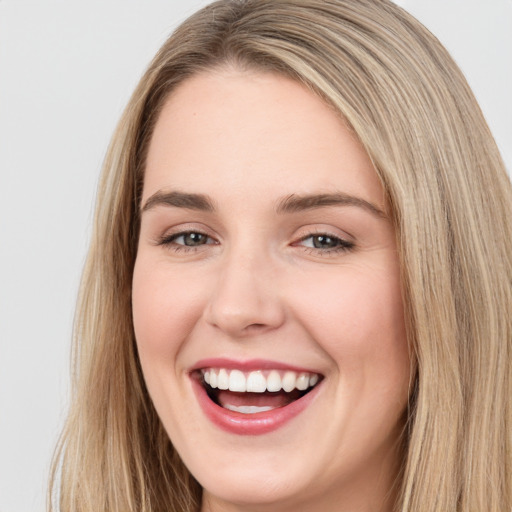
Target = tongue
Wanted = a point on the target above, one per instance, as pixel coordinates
(267, 399)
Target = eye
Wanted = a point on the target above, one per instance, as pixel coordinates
(190, 239)
(325, 243)
(186, 240)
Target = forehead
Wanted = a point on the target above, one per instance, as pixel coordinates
(223, 129)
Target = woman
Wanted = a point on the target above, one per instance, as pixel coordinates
(297, 295)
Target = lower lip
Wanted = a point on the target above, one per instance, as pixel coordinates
(251, 424)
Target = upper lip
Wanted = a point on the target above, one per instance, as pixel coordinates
(248, 365)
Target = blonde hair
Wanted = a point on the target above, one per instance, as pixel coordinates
(412, 110)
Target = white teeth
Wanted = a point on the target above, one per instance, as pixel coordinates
(247, 409)
(302, 382)
(223, 382)
(274, 381)
(237, 381)
(289, 381)
(213, 378)
(256, 382)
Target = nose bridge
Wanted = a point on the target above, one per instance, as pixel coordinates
(245, 298)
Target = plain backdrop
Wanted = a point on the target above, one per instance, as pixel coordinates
(67, 69)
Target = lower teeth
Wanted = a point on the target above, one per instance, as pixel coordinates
(247, 409)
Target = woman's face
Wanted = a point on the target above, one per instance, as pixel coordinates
(267, 261)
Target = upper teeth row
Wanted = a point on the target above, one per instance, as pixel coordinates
(257, 382)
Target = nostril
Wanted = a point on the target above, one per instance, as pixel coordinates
(255, 327)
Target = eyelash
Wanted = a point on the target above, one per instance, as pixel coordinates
(170, 241)
(341, 245)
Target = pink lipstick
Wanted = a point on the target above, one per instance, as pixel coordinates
(252, 397)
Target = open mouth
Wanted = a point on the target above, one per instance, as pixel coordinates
(257, 391)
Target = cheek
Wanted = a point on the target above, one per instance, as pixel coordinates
(166, 306)
(357, 317)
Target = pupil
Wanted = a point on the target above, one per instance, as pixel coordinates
(194, 239)
(321, 242)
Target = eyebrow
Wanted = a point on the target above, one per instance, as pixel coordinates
(289, 204)
(198, 202)
(295, 203)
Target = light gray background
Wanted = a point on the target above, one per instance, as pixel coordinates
(67, 69)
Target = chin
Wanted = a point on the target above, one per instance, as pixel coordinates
(262, 489)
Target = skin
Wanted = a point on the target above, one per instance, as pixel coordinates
(258, 288)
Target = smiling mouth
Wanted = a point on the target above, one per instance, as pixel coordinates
(256, 391)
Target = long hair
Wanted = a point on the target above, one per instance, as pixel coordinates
(412, 110)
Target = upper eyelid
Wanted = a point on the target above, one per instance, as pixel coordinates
(179, 234)
(191, 227)
(171, 237)
(329, 231)
(324, 233)
(299, 233)
(344, 242)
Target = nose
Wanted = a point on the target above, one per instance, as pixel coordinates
(245, 300)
